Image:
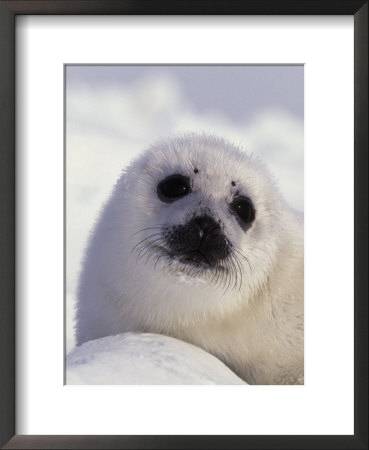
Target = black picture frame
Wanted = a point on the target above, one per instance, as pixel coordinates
(8, 12)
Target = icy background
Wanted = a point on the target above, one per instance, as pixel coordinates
(114, 112)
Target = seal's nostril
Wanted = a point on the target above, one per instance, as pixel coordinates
(205, 224)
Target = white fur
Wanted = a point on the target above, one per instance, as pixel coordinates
(255, 327)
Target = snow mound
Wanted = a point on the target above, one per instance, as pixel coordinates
(145, 358)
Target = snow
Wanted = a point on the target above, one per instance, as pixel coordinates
(145, 358)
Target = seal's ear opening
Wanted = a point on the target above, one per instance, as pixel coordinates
(173, 188)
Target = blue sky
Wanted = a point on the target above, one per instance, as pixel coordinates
(238, 91)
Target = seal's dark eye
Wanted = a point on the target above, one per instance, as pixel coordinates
(243, 207)
(173, 187)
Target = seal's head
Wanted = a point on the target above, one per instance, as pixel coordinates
(196, 213)
(192, 228)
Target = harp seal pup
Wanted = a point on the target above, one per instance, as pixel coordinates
(196, 242)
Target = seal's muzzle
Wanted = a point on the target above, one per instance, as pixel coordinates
(199, 241)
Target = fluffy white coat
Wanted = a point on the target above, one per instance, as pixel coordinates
(254, 323)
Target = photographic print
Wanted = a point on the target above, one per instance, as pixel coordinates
(184, 205)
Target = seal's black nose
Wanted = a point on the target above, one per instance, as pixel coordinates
(200, 240)
(203, 226)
